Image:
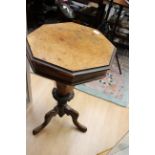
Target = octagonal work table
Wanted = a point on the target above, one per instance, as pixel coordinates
(70, 54)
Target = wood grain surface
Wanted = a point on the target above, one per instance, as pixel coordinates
(64, 89)
(106, 123)
(121, 2)
(71, 46)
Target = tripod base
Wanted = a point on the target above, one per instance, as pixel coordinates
(61, 109)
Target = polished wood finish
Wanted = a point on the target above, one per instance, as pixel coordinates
(62, 75)
(71, 46)
(121, 2)
(70, 54)
(106, 123)
(62, 94)
(64, 89)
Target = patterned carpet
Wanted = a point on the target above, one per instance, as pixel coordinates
(114, 87)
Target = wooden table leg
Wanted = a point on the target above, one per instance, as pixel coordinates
(60, 95)
(63, 94)
(47, 119)
(74, 114)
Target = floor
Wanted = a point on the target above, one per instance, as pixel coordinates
(106, 123)
(106, 152)
(113, 87)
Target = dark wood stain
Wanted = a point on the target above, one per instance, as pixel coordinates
(57, 73)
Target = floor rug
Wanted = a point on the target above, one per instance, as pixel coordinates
(113, 87)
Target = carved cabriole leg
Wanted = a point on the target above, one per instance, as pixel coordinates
(74, 114)
(66, 90)
(63, 94)
(47, 119)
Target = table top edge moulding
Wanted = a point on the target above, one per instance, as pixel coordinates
(64, 75)
(66, 44)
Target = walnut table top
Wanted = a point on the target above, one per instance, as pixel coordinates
(69, 52)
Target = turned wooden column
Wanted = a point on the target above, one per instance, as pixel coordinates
(64, 89)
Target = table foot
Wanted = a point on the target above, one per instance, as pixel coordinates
(47, 119)
(74, 114)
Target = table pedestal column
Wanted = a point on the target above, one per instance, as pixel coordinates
(63, 93)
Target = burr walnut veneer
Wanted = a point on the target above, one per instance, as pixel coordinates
(70, 54)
